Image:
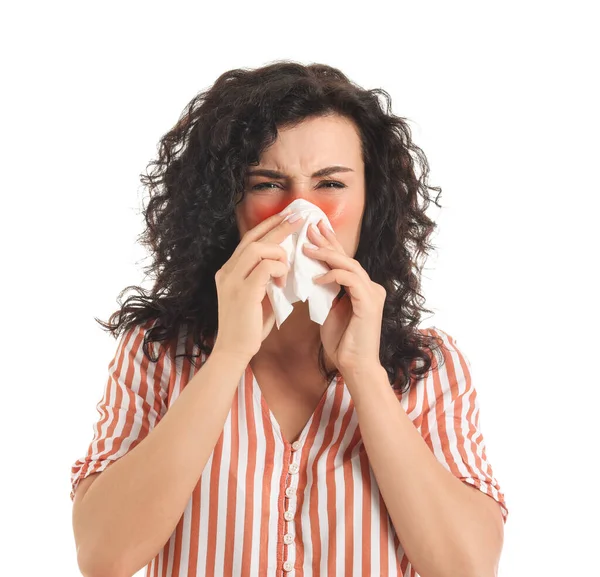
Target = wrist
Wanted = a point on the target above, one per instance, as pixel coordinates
(365, 371)
(231, 356)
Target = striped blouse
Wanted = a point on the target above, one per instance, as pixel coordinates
(265, 507)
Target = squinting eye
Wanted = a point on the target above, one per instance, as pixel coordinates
(265, 185)
(262, 185)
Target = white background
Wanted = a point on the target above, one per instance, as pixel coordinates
(501, 97)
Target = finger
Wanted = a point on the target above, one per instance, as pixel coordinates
(336, 259)
(315, 236)
(263, 273)
(260, 230)
(255, 253)
(353, 286)
(281, 232)
(330, 236)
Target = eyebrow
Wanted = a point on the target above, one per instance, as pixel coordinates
(276, 174)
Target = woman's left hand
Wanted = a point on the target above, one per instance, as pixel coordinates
(352, 330)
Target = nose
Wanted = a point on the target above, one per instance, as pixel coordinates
(304, 192)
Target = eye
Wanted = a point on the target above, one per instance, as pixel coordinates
(323, 184)
(335, 182)
(262, 185)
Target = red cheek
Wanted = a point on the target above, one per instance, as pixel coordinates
(336, 212)
(333, 209)
(256, 212)
(261, 213)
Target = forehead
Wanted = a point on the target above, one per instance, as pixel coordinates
(313, 143)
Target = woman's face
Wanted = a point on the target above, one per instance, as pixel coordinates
(292, 160)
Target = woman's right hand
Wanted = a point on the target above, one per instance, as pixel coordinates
(244, 310)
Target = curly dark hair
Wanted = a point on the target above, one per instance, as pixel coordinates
(199, 177)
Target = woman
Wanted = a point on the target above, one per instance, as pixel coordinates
(308, 449)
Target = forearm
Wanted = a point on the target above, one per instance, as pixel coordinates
(441, 527)
(131, 510)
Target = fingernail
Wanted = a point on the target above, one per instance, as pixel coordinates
(316, 229)
(310, 245)
(287, 210)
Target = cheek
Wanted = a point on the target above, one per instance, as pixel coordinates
(340, 214)
(345, 219)
(261, 212)
(256, 212)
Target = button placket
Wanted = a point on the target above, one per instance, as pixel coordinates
(290, 491)
(290, 496)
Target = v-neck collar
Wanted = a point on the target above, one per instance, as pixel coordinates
(304, 435)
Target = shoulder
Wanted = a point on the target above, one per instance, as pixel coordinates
(448, 377)
(446, 339)
(146, 347)
(448, 348)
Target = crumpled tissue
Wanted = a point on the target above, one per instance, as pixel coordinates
(299, 285)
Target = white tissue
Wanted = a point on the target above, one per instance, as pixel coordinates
(299, 285)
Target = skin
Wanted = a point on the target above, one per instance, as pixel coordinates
(298, 152)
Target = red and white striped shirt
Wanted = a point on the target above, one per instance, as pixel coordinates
(265, 507)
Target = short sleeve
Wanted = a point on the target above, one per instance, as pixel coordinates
(133, 402)
(450, 421)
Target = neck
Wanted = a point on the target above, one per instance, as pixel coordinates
(297, 340)
(298, 336)
(294, 348)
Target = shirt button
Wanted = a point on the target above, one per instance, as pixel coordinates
(288, 538)
(288, 515)
(290, 492)
(295, 445)
(294, 468)
(287, 566)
